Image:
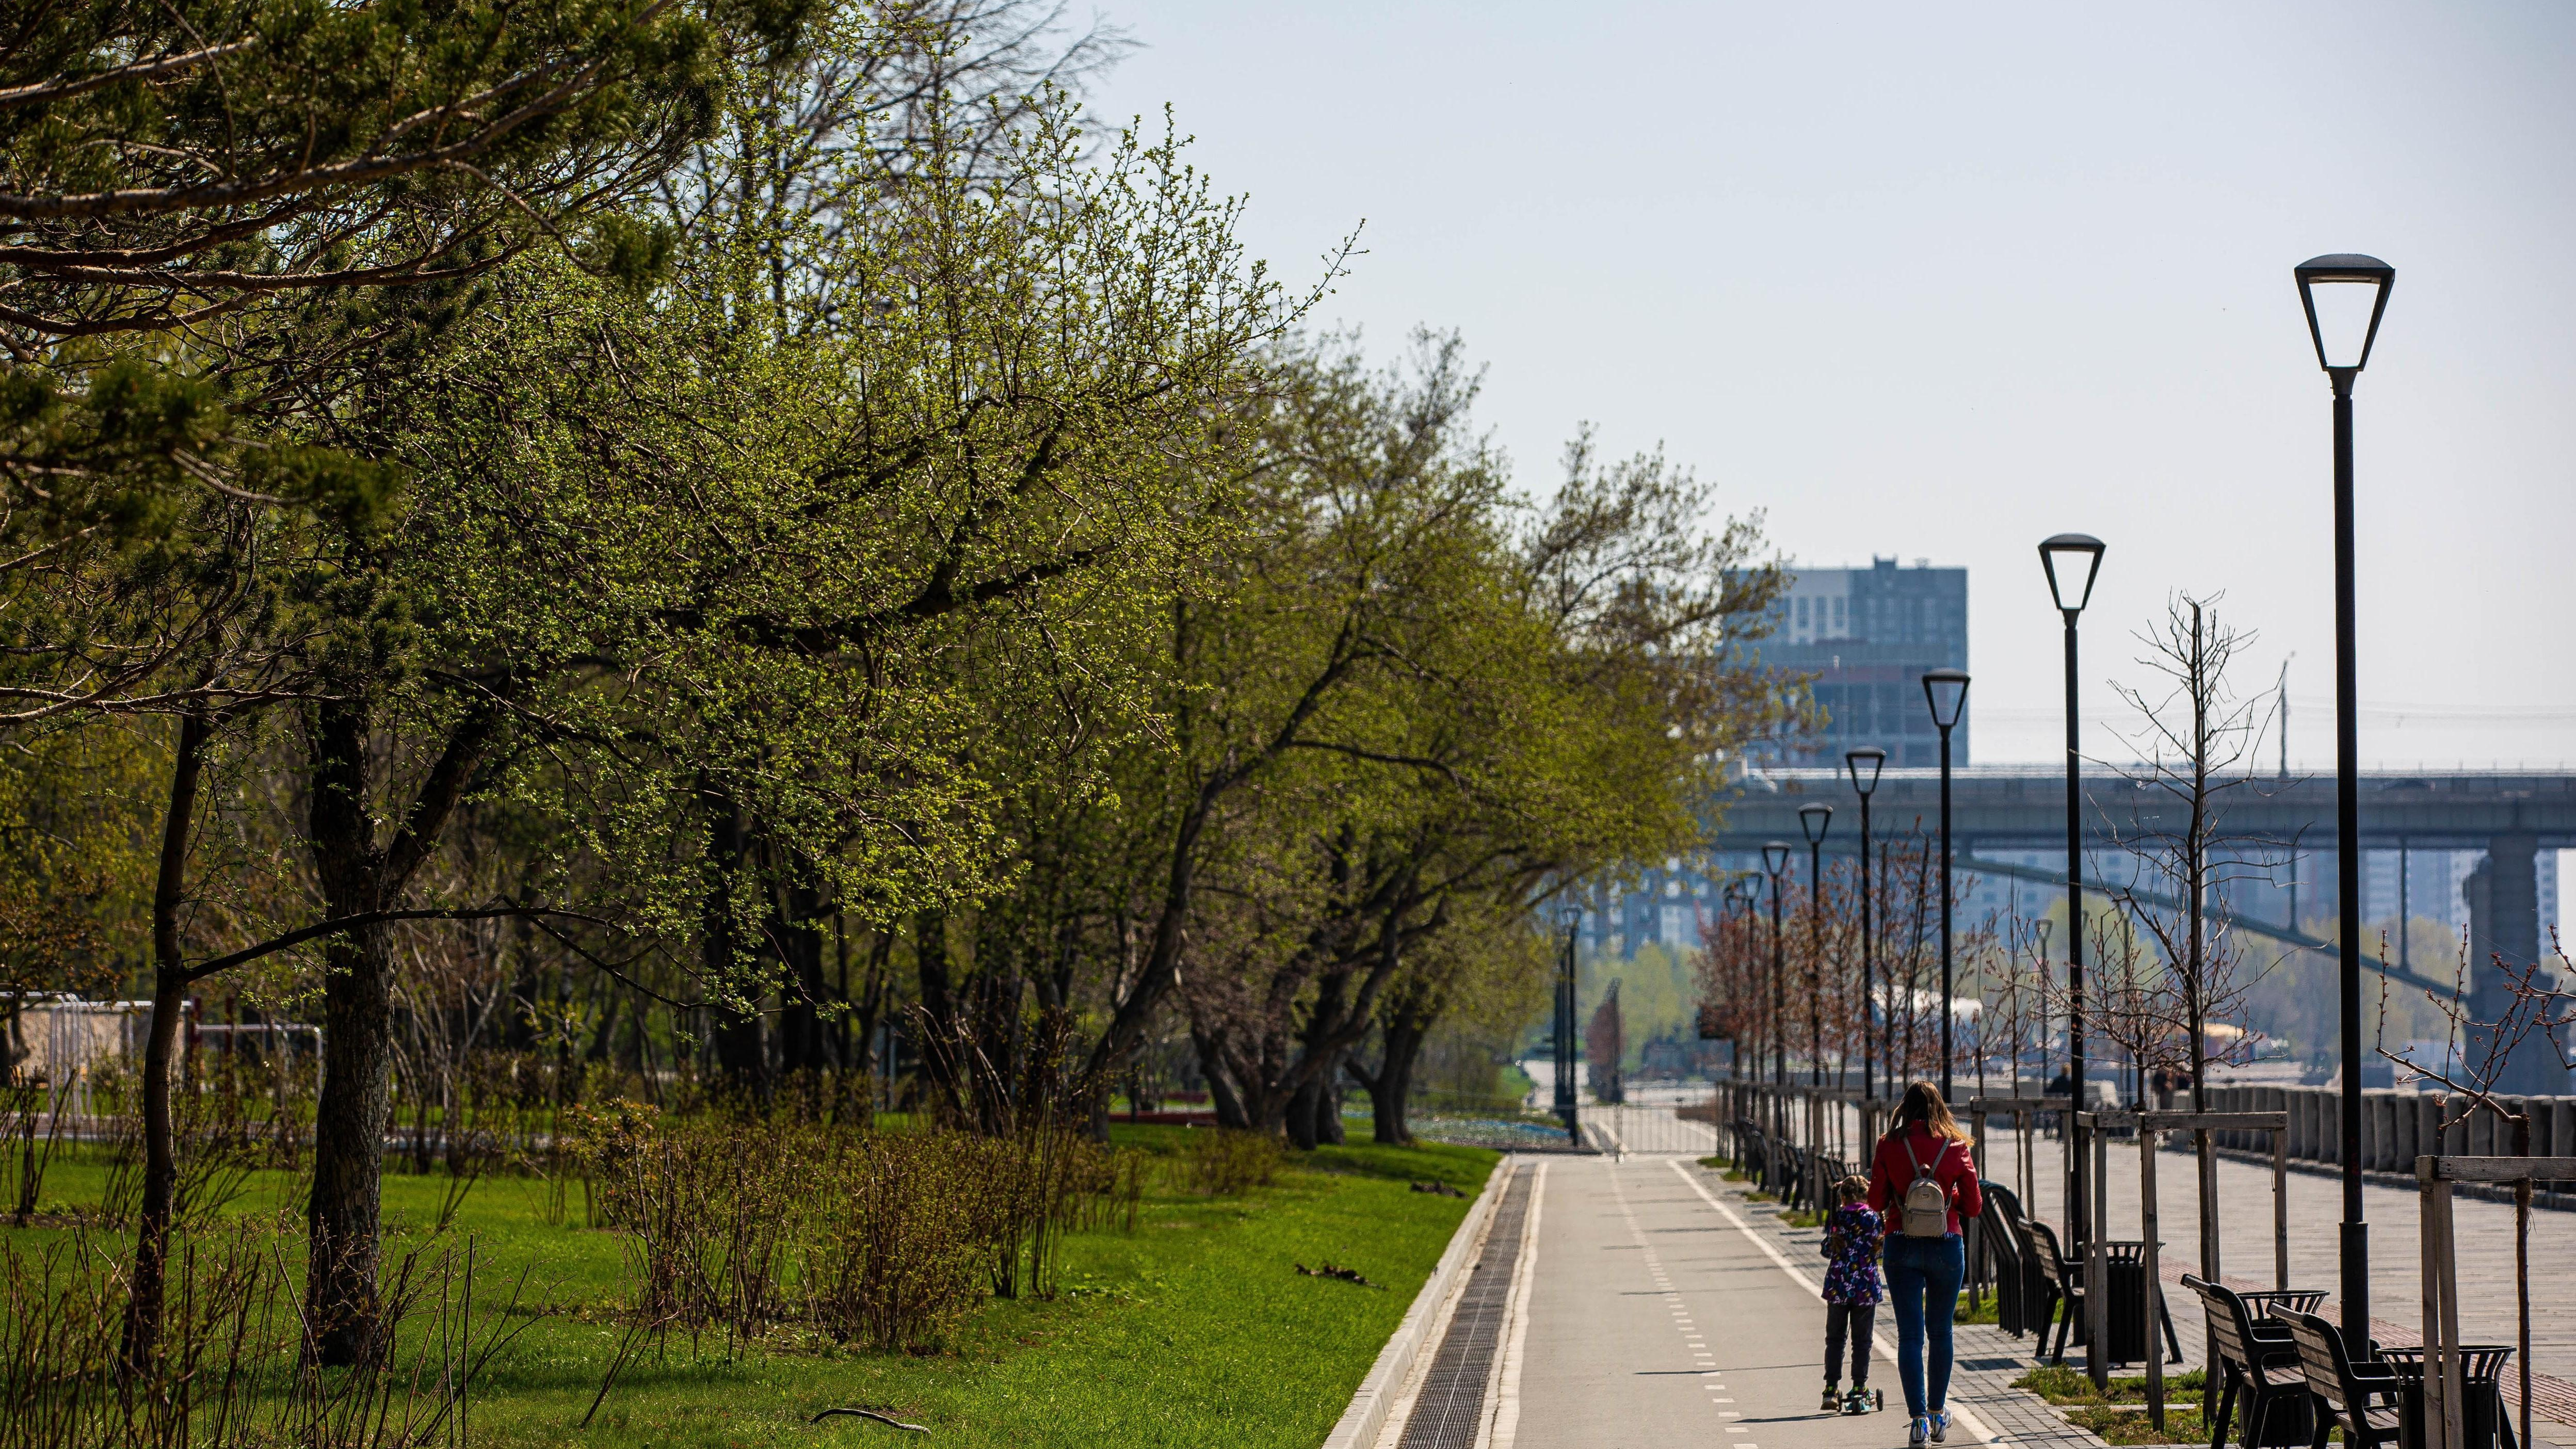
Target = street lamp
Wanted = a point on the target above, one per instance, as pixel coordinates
(1864, 764)
(1739, 895)
(2071, 561)
(1775, 859)
(2344, 295)
(1813, 818)
(1565, 1051)
(1946, 691)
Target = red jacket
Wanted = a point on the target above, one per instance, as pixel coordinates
(1890, 1173)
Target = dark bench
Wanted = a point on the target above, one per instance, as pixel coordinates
(2065, 1288)
(2024, 1297)
(2254, 1366)
(2367, 1400)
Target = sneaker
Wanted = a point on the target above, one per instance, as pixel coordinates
(1940, 1428)
(1833, 1400)
(1857, 1401)
(1917, 1432)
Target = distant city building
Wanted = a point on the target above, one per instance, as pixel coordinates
(1867, 635)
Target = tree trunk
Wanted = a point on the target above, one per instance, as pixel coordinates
(169, 1003)
(1229, 1107)
(1391, 1088)
(344, 1214)
(938, 1006)
(800, 939)
(1311, 1101)
(1303, 1116)
(742, 1056)
(358, 876)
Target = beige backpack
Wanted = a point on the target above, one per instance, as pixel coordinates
(1924, 1212)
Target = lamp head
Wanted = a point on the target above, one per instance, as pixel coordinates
(1775, 859)
(1572, 916)
(1813, 817)
(1864, 764)
(1946, 691)
(2072, 559)
(2344, 295)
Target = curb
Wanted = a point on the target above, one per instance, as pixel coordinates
(1359, 1425)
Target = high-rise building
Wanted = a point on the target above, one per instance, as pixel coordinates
(1867, 635)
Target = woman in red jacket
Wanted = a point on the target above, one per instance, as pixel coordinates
(1926, 1257)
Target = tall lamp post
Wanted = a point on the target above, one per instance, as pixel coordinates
(1739, 904)
(2071, 561)
(1864, 764)
(1565, 1063)
(2344, 295)
(1946, 691)
(1813, 818)
(1775, 859)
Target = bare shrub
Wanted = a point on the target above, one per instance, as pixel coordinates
(740, 1225)
(232, 1367)
(1225, 1162)
(907, 1253)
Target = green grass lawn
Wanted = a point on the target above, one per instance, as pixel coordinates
(1194, 1330)
(2119, 1416)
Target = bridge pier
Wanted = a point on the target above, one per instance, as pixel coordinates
(2504, 931)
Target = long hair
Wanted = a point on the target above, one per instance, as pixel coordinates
(1923, 1104)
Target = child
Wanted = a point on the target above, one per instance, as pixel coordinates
(1852, 1292)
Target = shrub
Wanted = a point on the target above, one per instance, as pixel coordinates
(915, 1224)
(229, 1369)
(1225, 1162)
(885, 1239)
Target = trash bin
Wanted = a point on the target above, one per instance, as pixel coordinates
(2482, 1416)
(2125, 1266)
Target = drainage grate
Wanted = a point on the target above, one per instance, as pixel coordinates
(1452, 1400)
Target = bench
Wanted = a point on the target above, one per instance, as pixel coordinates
(2366, 1401)
(2256, 1368)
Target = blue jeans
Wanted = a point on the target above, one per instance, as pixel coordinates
(1923, 1283)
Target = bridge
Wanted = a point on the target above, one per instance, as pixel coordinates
(2023, 807)
(2510, 816)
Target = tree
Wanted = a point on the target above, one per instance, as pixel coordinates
(178, 166)
(185, 187)
(1501, 711)
(1483, 978)
(2197, 742)
(2480, 1057)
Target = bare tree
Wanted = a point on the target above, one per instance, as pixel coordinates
(2197, 745)
(2478, 1054)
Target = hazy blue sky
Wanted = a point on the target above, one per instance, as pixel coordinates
(1936, 282)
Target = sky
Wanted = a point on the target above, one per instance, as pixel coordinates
(1937, 282)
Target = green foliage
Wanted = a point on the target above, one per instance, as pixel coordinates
(739, 523)
(351, 145)
(1657, 995)
(76, 838)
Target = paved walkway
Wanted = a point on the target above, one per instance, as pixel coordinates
(1653, 1306)
(2483, 1232)
(1644, 1301)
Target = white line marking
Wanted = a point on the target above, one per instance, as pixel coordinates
(1960, 1414)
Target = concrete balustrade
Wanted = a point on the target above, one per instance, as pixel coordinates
(2396, 1126)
